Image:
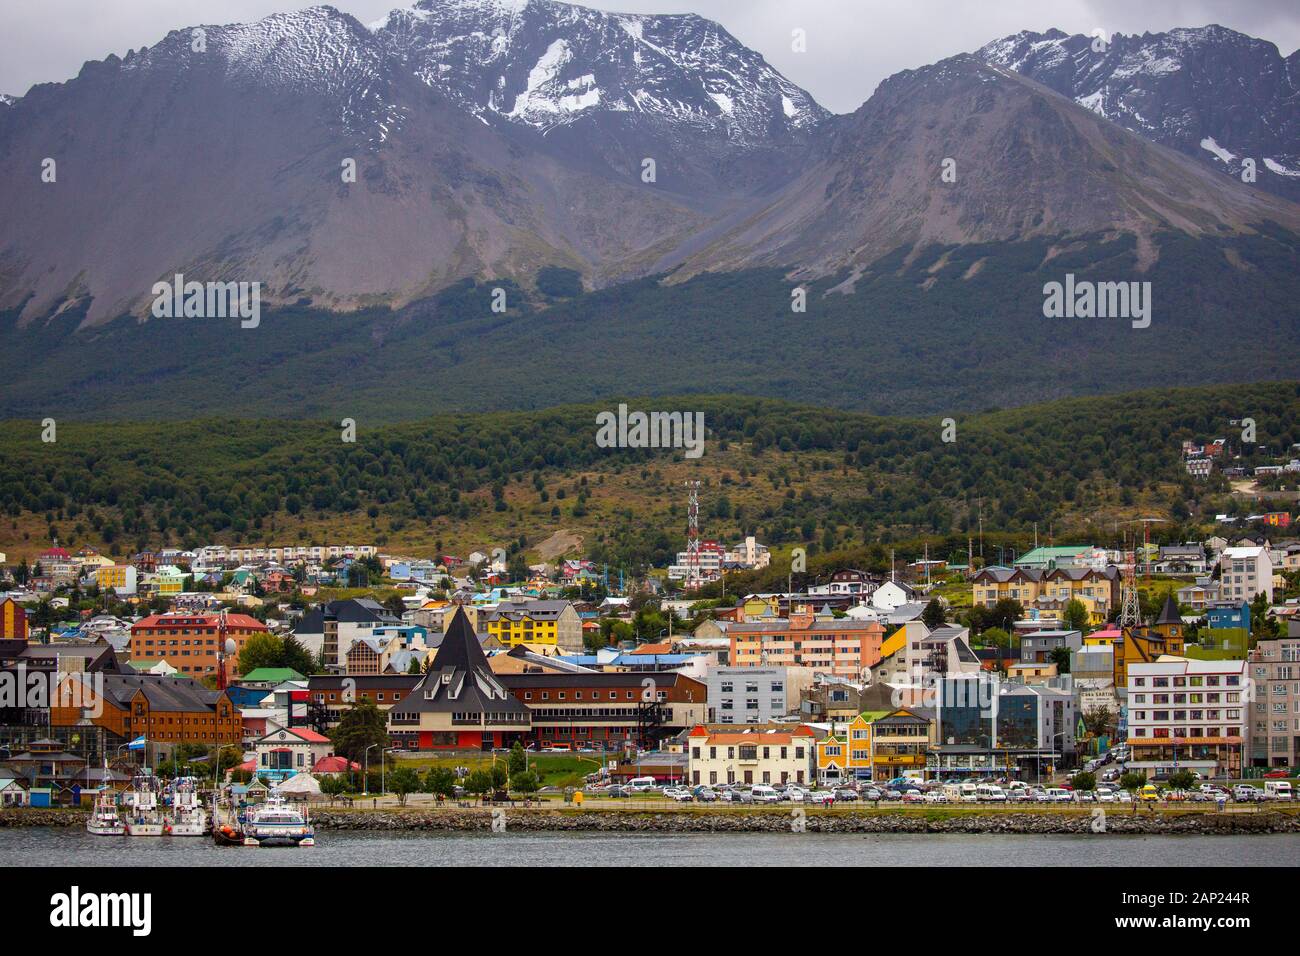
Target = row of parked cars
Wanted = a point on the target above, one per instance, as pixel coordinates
(934, 791)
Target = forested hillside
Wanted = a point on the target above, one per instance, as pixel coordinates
(787, 473)
(939, 330)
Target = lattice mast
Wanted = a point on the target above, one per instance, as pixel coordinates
(693, 534)
(1130, 608)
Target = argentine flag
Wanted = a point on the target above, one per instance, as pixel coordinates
(137, 744)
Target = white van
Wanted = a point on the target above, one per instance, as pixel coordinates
(641, 784)
(990, 793)
(1279, 790)
(969, 793)
(1059, 795)
(764, 794)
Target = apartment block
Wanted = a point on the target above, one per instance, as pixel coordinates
(1188, 714)
(1275, 709)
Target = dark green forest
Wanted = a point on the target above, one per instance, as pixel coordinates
(788, 473)
(946, 330)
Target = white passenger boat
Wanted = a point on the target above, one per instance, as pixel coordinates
(276, 823)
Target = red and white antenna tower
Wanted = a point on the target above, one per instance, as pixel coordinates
(693, 535)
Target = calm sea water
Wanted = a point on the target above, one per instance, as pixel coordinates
(70, 847)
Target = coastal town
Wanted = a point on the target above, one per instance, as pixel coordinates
(281, 682)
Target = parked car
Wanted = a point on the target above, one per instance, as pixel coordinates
(872, 793)
(705, 795)
(618, 791)
(819, 797)
(845, 793)
(737, 796)
(1245, 793)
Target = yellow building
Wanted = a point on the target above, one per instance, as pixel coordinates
(1050, 591)
(116, 577)
(756, 605)
(539, 623)
(170, 580)
(846, 755)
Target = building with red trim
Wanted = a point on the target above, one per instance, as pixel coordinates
(190, 642)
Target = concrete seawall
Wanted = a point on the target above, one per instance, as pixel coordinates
(697, 821)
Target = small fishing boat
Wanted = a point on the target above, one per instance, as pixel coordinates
(104, 819)
(188, 818)
(143, 815)
(276, 823)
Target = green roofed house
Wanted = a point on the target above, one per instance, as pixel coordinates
(269, 677)
(1065, 556)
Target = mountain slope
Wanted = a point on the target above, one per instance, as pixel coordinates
(224, 163)
(1028, 164)
(1210, 92)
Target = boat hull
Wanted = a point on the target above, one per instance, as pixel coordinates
(188, 830)
(144, 829)
(278, 839)
(106, 830)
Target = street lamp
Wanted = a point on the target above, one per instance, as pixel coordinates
(365, 779)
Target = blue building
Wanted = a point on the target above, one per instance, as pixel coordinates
(1228, 615)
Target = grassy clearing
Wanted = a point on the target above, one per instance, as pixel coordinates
(556, 770)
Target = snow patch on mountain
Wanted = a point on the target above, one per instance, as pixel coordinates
(1210, 145)
(1276, 167)
(547, 64)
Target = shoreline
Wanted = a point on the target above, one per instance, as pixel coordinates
(866, 821)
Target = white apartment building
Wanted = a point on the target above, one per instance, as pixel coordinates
(1246, 572)
(1275, 710)
(758, 756)
(214, 553)
(1188, 714)
(754, 695)
(749, 554)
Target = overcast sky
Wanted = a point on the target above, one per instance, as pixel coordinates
(852, 44)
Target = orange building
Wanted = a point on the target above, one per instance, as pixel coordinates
(189, 642)
(164, 710)
(13, 621)
(820, 641)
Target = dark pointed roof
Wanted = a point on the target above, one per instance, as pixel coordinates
(459, 679)
(1169, 613)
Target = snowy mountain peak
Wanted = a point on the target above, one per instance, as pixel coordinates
(1210, 92)
(546, 64)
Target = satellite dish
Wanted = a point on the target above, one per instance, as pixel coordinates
(230, 645)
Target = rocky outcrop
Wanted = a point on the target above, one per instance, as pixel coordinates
(731, 821)
(39, 817)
